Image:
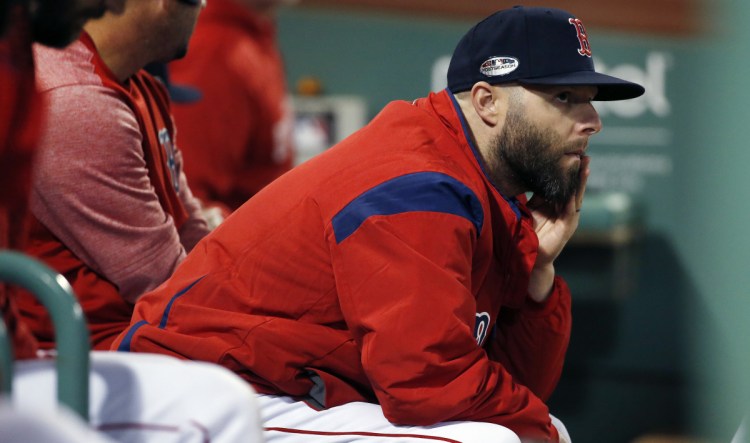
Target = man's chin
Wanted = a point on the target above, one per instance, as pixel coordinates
(180, 53)
(565, 188)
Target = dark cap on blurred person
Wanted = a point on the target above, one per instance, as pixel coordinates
(177, 93)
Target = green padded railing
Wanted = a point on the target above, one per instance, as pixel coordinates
(71, 330)
(6, 360)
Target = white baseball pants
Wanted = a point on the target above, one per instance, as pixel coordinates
(145, 398)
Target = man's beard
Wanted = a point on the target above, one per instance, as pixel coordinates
(532, 156)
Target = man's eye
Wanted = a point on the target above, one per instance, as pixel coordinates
(563, 97)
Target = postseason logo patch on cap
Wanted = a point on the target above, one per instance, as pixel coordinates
(497, 66)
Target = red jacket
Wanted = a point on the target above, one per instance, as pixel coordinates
(238, 137)
(388, 269)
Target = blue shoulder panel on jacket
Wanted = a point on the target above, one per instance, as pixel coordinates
(420, 191)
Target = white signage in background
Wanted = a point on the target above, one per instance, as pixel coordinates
(440, 73)
(322, 121)
(623, 170)
(653, 77)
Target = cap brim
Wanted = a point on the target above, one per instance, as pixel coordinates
(610, 88)
(183, 94)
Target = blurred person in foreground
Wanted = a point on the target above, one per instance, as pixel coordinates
(401, 283)
(132, 397)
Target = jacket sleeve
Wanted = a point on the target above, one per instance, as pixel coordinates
(403, 274)
(531, 342)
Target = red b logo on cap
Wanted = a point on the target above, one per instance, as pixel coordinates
(583, 38)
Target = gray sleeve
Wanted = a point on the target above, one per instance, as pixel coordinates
(91, 189)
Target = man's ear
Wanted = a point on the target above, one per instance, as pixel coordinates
(487, 102)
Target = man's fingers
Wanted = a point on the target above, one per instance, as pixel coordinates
(584, 176)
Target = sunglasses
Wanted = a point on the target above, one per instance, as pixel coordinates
(201, 3)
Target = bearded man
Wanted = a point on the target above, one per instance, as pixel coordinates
(400, 284)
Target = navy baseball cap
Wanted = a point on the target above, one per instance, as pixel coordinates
(532, 46)
(177, 93)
